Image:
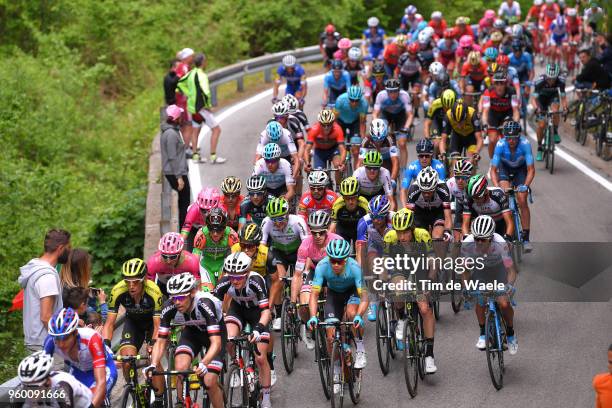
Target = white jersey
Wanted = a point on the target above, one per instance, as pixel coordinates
(70, 391)
(497, 254)
(454, 189)
(369, 187)
(279, 178)
(288, 239)
(286, 143)
(506, 10)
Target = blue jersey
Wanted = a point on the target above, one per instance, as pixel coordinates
(336, 87)
(376, 42)
(293, 79)
(522, 64)
(435, 90)
(346, 113)
(350, 279)
(521, 157)
(365, 222)
(415, 167)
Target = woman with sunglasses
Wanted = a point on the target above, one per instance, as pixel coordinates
(276, 171)
(249, 305)
(208, 197)
(231, 200)
(319, 197)
(171, 259)
(253, 207)
(462, 171)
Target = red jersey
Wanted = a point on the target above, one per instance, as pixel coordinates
(322, 142)
(438, 28)
(156, 267)
(548, 14)
(232, 221)
(391, 54)
(308, 204)
(460, 33)
(475, 72)
(573, 25)
(500, 103)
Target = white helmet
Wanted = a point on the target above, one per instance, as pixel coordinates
(427, 179)
(35, 368)
(436, 68)
(378, 129)
(280, 108)
(373, 22)
(180, 284)
(423, 37)
(436, 15)
(318, 220)
(517, 30)
(237, 263)
(292, 103)
(483, 226)
(537, 2)
(550, 1)
(571, 12)
(289, 61)
(354, 54)
(318, 178)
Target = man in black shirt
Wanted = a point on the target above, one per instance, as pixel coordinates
(592, 72)
(170, 82)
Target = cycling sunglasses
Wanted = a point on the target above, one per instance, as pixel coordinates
(327, 126)
(370, 168)
(168, 257)
(319, 233)
(270, 161)
(354, 100)
(280, 117)
(256, 193)
(247, 246)
(423, 156)
(317, 188)
(379, 217)
(237, 278)
(482, 239)
(336, 261)
(282, 218)
(464, 178)
(218, 230)
(231, 196)
(179, 298)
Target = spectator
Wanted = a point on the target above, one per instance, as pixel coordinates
(76, 273)
(42, 289)
(602, 384)
(195, 85)
(174, 162)
(185, 57)
(170, 81)
(592, 72)
(93, 320)
(605, 58)
(76, 298)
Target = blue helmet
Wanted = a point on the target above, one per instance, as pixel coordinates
(63, 322)
(337, 65)
(379, 205)
(355, 92)
(338, 248)
(491, 53)
(512, 129)
(424, 146)
(271, 151)
(421, 26)
(274, 131)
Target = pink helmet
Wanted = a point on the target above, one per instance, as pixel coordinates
(345, 43)
(489, 14)
(338, 55)
(171, 243)
(209, 198)
(466, 41)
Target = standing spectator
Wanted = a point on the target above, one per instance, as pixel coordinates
(174, 162)
(605, 57)
(170, 81)
(602, 384)
(195, 86)
(592, 72)
(42, 289)
(185, 57)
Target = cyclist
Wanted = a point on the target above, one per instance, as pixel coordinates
(463, 28)
(373, 40)
(348, 209)
(512, 166)
(253, 208)
(463, 125)
(462, 171)
(410, 67)
(485, 244)
(231, 200)
(319, 197)
(263, 262)
(503, 64)
(293, 109)
(557, 42)
(441, 82)
(446, 48)
(594, 16)
(249, 305)
(208, 198)
(522, 61)
(409, 19)
(392, 53)
(427, 46)
(84, 352)
(142, 300)
(499, 104)
(326, 141)
(548, 92)
(381, 142)
(466, 45)
(328, 44)
(335, 83)
(438, 23)
(374, 179)
(548, 14)
(170, 259)
(424, 150)
(212, 243)
(354, 66)
(473, 73)
(275, 133)
(310, 252)
(405, 238)
(574, 25)
(434, 118)
(393, 105)
(345, 292)
(510, 11)
(186, 303)
(379, 214)
(296, 79)
(485, 25)
(375, 83)
(276, 171)
(344, 45)
(483, 200)
(351, 109)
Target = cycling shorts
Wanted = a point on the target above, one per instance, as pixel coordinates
(241, 316)
(277, 192)
(204, 115)
(193, 340)
(496, 119)
(293, 89)
(427, 219)
(87, 377)
(350, 234)
(351, 131)
(135, 332)
(283, 258)
(397, 119)
(337, 301)
(545, 102)
(459, 142)
(414, 80)
(321, 157)
(515, 176)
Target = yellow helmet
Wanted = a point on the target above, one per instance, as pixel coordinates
(403, 219)
(474, 57)
(134, 268)
(326, 117)
(448, 98)
(349, 186)
(459, 111)
(401, 39)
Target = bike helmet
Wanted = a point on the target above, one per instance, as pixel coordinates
(216, 220)
(474, 57)
(280, 108)
(449, 34)
(232, 184)
(512, 129)
(354, 54)
(392, 84)
(500, 76)
(277, 207)
(378, 130)
(489, 14)
(436, 68)
(448, 98)
(466, 41)
(134, 268)
(443, 79)
(423, 37)
(256, 184)
(373, 158)
(403, 220)
(463, 168)
(400, 40)
(345, 44)
(291, 102)
(355, 93)
(338, 248)
(289, 61)
(378, 69)
(326, 117)
(208, 198)
(373, 22)
(180, 284)
(171, 243)
(461, 20)
(274, 130)
(413, 48)
(571, 12)
(427, 179)
(477, 186)
(318, 178)
(349, 186)
(237, 263)
(537, 2)
(318, 220)
(496, 36)
(483, 226)
(35, 368)
(63, 322)
(424, 146)
(459, 111)
(379, 205)
(491, 53)
(436, 15)
(560, 21)
(272, 151)
(250, 233)
(552, 70)
(503, 59)
(517, 31)
(499, 24)
(329, 29)
(410, 9)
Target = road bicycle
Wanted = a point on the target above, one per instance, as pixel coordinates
(136, 395)
(518, 239)
(242, 388)
(191, 384)
(386, 346)
(414, 347)
(549, 140)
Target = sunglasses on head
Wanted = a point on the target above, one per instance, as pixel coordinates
(336, 261)
(170, 257)
(424, 156)
(179, 298)
(270, 161)
(319, 233)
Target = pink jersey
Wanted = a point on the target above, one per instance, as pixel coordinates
(157, 267)
(463, 54)
(308, 249)
(192, 219)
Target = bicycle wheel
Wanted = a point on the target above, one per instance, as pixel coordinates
(322, 357)
(420, 344)
(287, 336)
(546, 148)
(354, 378)
(551, 154)
(456, 298)
(383, 337)
(236, 388)
(336, 378)
(495, 352)
(436, 308)
(411, 357)
(129, 398)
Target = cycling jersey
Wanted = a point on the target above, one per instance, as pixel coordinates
(545, 92)
(346, 221)
(373, 88)
(523, 65)
(386, 148)
(573, 25)
(365, 222)
(294, 79)
(469, 126)
(192, 219)
(253, 295)
(251, 212)
(308, 204)
(475, 72)
(462, 53)
(409, 67)
(263, 261)
(495, 205)
(144, 309)
(296, 127)
(558, 34)
(157, 268)
(548, 14)
(346, 113)
(435, 89)
(285, 142)
(320, 141)
(308, 249)
(212, 253)
(232, 220)
(329, 43)
(67, 392)
(417, 203)
(301, 117)
(415, 167)
(349, 279)
(385, 104)
(354, 72)
(391, 54)
(205, 308)
(374, 42)
(380, 185)
(439, 28)
(289, 238)
(504, 156)
(500, 103)
(509, 12)
(435, 111)
(336, 87)
(497, 254)
(281, 177)
(446, 50)
(454, 189)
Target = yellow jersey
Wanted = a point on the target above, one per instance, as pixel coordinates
(469, 126)
(260, 263)
(420, 235)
